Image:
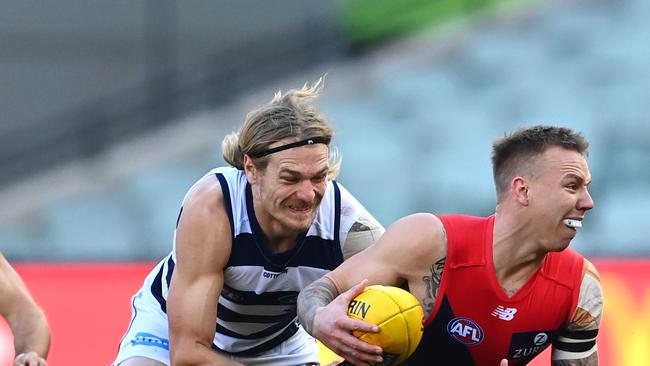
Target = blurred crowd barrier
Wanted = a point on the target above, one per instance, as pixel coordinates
(88, 306)
(414, 119)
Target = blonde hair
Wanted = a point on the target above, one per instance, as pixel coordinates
(289, 115)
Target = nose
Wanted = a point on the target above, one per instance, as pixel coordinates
(306, 191)
(585, 202)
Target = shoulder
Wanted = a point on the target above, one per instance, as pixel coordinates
(590, 300)
(203, 234)
(206, 193)
(421, 226)
(421, 234)
(589, 306)
(204, 204)
(577, 340)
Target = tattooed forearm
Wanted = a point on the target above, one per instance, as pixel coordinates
(432, 284)
(592, 360)
(319, 293)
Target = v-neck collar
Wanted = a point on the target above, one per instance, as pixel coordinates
(278, 261)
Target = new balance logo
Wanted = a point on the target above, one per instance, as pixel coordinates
(504, 313)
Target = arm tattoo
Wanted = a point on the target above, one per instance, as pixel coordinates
(592, 360)
(359, 227)
(319, 293)
(432, 284)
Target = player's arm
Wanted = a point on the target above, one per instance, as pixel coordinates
(203, 244)
(25, 318)
(576, 343)
(401, 251)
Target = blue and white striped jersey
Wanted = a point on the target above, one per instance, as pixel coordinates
(257, 307)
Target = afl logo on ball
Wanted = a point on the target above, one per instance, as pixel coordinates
(465, 331)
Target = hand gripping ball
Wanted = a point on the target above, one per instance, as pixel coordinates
(398, 315)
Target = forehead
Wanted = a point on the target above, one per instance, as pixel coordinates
(303, 159)
(565, 162)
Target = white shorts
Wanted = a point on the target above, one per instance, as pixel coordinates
(147, 336)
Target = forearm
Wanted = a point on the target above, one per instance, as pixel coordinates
(312, 297)
(196, 354)
(31, 332)
(591, 360)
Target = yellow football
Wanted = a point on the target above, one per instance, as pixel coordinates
(398, 315)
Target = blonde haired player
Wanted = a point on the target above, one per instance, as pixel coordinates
(249, 237)
(496, 290)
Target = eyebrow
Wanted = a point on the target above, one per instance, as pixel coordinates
(578, 178)
(297, 173)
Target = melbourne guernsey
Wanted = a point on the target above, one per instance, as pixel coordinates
(475, 323)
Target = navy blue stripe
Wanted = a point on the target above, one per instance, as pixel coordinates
(228, 315)
(574, 347)
(178, 219)
(226, 199)
(436, 344)
(286, 334)
(270, 328)
(580, 334)
(337, 211)
(275, 262)
(156, 289)
(322, 253)
(265, 298)
(261, 334)
(170, 270)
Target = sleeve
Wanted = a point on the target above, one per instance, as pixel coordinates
(359, 229)
(577, 340)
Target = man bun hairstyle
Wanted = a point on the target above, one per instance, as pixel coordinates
(289, 115)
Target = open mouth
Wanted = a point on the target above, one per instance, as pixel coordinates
(299, 209)
(572, 223)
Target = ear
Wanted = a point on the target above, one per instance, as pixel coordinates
(519, 190)
(250, 169)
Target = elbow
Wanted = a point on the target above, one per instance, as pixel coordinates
(31, 330)
(180, 359)
(44, 329)
(191, 354)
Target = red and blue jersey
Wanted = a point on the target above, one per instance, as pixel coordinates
(474, 322)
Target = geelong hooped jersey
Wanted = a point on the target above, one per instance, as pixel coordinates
(474, 322)
(257, 306)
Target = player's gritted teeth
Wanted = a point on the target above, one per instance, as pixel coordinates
(299, 207)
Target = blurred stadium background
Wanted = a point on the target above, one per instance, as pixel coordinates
(109, 111)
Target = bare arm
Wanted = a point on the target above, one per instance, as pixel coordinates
(432, 283)
(320, 293)
(576, 344)
(203, 244)
(26, 319)
(402, 256)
